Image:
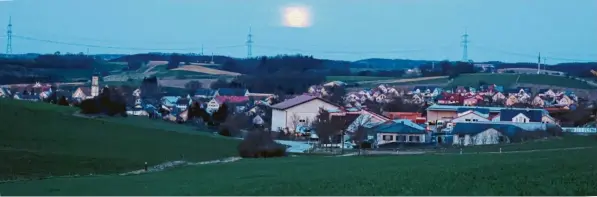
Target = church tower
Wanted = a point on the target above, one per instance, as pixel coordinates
(94, 85)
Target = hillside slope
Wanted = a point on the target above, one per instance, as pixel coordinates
(205, 70)
(39, 139)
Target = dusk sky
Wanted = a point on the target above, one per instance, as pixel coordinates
(504, 30)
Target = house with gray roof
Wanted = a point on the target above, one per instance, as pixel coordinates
(400, 131)
(300, 110)
(483, 133)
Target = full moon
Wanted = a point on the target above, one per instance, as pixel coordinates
(296, 16)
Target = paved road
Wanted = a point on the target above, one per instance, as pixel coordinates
(295, 146)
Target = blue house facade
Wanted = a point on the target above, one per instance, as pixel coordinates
(399, 131)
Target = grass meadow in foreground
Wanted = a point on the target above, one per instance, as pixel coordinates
(570, 172)
(40, 140)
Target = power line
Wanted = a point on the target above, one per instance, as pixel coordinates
(9, 37)
(465, 43)
(118, 47)
(249, 44)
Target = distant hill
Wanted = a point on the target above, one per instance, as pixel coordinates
(380, 63)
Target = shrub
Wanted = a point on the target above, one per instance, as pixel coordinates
(224, 131)
(259, 144)
(89, 106)
(554, 130)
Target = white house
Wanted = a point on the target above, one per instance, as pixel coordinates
(82, 93)
(212, 106)
(137, 92)
(4, 92)
(471, 116)
(300, 110)
(476, 133)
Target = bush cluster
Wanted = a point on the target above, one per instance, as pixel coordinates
(259, 144)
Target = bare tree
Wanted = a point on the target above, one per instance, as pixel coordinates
(359, 137)
(325, 127)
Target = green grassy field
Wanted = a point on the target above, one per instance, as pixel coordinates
(182, 74)
(428, 81)
(39, 140)
(568, 141)
(512, 79)
(349, 79)
(564, 172)
(540, 173)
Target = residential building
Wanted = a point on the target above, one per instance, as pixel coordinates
(82, 93)
(472, 115)
(302, 109)
(169, 101)
(483, 133)
(214, 104)
(4, 92)
(415, 117)
(399, 131)
(526, 116)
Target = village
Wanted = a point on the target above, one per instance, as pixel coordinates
(463, 116)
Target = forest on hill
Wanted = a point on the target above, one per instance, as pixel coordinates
(29, 68)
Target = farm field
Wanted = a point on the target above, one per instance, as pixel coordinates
(569, 172)
(206, 70)
(511, 79)
(39, 140)
(406, 81)
(351, 79)
(183, 74)
(443, 80)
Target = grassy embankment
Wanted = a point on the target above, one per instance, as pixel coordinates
(40, 140)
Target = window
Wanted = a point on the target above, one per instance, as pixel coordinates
(401, 138)
(388, 137)
(302, 120)
(467, 120)
(414, 138)
(502, 139)
(475, 120)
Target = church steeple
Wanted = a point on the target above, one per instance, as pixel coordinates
(95, 84)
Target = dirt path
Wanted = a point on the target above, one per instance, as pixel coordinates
(156, 168)
(403, 80)
(174, 164)
(153, 64)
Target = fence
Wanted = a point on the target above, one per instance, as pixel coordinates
(579, 130)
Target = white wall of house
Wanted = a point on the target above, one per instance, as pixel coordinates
(521, 118)
(489, 136)
(470, 117)
(212, 106)
(385, 138)
(546, 119)
(306, 112)
(137, 113)
(278, 119)
(79, 94)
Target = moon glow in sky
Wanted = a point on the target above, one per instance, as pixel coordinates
(296, 16)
